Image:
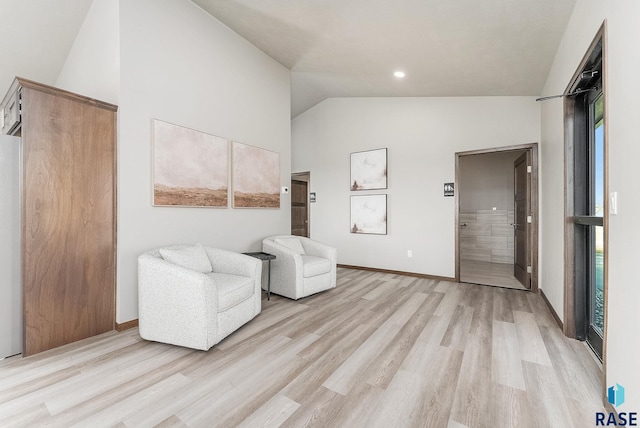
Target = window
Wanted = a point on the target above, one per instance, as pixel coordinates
(585, 192)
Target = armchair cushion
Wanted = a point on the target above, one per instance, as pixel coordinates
(194, 258)
(232, 289)
(313, 266)
(291, 243)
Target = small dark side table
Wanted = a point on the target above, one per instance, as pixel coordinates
(264, 256)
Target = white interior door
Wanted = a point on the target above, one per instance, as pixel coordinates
(10, 248)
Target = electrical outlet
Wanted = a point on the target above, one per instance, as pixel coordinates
(409, 253)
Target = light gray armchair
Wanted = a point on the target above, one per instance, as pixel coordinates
(302, 266)
(195, 296)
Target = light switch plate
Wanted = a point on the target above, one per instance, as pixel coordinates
(613, 203)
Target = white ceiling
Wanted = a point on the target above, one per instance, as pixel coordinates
(343, 48)
(37, 36)
(340, 48)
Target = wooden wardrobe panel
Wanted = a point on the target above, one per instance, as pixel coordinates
(69, 220)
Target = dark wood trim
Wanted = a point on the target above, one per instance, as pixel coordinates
(553, 311)
(399, 272)
(605, 285)
(115, 219)
(306, 177)
(497, 149)
(534, 229)
(534, 207)
(127, 325)
(26, 83)
(569, 309)
(456, 194)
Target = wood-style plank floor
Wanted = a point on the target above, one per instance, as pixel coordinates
(487, 273)
(380, 350)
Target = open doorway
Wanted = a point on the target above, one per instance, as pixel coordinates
(300, 185)
(496, 200)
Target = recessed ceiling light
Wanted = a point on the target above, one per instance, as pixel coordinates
(399, 74)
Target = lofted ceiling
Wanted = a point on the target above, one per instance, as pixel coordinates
(345, 48)
(340, 48)
(37, 36)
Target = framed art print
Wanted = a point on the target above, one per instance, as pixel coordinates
(369, 170)
(255, 177)
(369, 214)
(190, 168)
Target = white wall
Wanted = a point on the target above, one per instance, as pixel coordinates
(180, 65)
(422, 135)
(10, 247)
(623, 111)
(92, 67)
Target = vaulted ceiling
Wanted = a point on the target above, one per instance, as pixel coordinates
(342, 48)
(37, 36)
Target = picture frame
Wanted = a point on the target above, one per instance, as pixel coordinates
(368, 170)
(369, 214)
(255, 177)
(190, 168)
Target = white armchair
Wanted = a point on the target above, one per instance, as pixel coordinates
(302, 267)
(195, 296)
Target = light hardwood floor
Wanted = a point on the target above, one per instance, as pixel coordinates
(380, 350)
(498, 274)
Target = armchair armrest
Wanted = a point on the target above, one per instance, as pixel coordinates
(223, 261)
(171, 299)
(319, 249)
(286, 269)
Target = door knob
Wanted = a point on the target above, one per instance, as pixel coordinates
(463, 224)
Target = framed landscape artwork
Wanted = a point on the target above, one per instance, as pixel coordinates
(369, 214)
(190, 168)
(255, 177)
(369, 170)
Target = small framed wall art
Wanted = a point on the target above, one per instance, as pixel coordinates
(369, 214)
(369, 170)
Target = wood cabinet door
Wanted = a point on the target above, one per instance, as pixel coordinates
(69, 220)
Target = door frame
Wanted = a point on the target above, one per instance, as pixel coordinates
(532, 148)
(306, 177)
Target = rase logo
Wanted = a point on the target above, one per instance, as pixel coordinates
(615, 396)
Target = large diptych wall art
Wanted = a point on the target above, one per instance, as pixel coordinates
(255, 177)
(369, 214)
(369, 170)
(190, 168)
